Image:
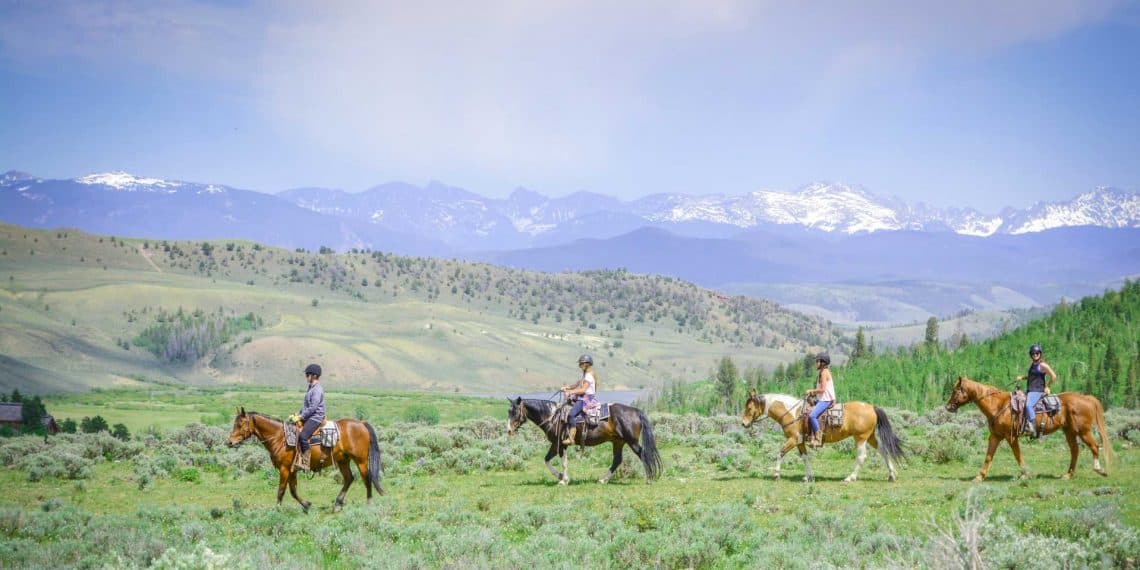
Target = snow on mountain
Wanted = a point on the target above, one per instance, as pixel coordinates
(128, 182)
(1105, 207)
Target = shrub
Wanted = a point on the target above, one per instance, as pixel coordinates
(59, 463)
(422, 414)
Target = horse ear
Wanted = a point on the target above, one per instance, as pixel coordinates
(752, 393)
(241, 411)
(518, 400)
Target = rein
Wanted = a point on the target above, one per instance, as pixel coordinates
(785, 414)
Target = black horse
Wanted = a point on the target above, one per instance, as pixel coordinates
(626, 426)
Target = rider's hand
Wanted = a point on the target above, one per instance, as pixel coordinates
(295, 418)
(1048, 391)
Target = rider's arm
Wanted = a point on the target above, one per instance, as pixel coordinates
(1048, 371)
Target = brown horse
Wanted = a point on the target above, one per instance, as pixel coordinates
(357, 443)
(626, 426)
(862, 421)
(1078, 416)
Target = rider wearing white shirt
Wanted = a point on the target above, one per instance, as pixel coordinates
(582, 393)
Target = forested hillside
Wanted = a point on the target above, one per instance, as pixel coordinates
(1092, 344)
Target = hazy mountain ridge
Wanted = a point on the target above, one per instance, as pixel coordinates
(438, 219)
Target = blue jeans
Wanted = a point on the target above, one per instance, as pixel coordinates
(576, 409)
(1031, 399)
(310, 426)
(820, 407)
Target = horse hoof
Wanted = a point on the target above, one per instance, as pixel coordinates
(979, 478)
(305, 507)
(891, 479)
(563, 481)
(1024, 476)
(848, 479)
(603, 481)
(1102, 472)
(336, 508)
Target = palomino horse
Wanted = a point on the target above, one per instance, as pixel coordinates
(1078, 416)
(862, 421)
(626, 426)
(357, 443)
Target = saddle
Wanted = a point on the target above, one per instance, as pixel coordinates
(831, 418)
(326, 435)
(1049, 405)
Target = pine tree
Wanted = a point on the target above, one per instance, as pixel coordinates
(931, 338)
(860, 350)
(727, 378)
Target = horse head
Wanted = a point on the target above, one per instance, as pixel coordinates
(959, 396)
(754, 409)
(242, 430)
(517, 416)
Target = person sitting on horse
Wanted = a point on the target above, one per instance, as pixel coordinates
(582, 394)
(312, 412)
(1035, 385)
(824, 392)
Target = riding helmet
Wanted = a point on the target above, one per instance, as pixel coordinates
(1034, 349)
(314, 369)
(824, 357)
(586, 359)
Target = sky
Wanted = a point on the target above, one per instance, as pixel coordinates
(967, 104)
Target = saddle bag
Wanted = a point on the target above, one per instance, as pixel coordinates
(1049, 404)
(596, 413)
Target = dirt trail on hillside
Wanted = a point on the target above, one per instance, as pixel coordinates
(146, 256)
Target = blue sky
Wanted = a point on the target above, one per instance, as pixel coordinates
(976, 104)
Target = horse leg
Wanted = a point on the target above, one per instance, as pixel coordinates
(995, 441)
(550, 455)
(788, 445)
(1095, 449)
(1016, 446)
(807, 465)
(886, 458)
(346, 476)
(293, 491)
(282, 481)
(618, 445)
(565, 467)
(860, 457)
(1074, 451)
(362, 467)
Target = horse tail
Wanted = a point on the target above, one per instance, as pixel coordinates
(1105, 444)
(375, 465)
(649, 456)
(888, 441)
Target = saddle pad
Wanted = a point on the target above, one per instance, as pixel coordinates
(599, 411)
(833, 416)
(327, 434)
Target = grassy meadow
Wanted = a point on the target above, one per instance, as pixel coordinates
(463, 494)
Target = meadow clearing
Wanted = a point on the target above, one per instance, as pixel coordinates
(461, 493)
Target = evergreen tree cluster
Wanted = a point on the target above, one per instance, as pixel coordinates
(1093, 345)
(186, 337)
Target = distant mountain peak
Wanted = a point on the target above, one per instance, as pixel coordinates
(120, 180)
(15, 176)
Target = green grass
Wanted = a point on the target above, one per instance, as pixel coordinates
(715, 505)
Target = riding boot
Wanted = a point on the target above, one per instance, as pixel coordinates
(817, 438)
(570, 436)
(302, 463)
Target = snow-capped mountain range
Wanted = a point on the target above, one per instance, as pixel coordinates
(465, 221)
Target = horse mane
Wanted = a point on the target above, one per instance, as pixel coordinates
(789, 402)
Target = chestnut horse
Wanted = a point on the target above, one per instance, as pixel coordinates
(626, 426)
(1078, 416)
(357, 443)
(862, 421)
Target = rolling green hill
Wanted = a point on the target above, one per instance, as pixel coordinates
(74, 308)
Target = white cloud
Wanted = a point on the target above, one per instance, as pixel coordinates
(515, 87)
